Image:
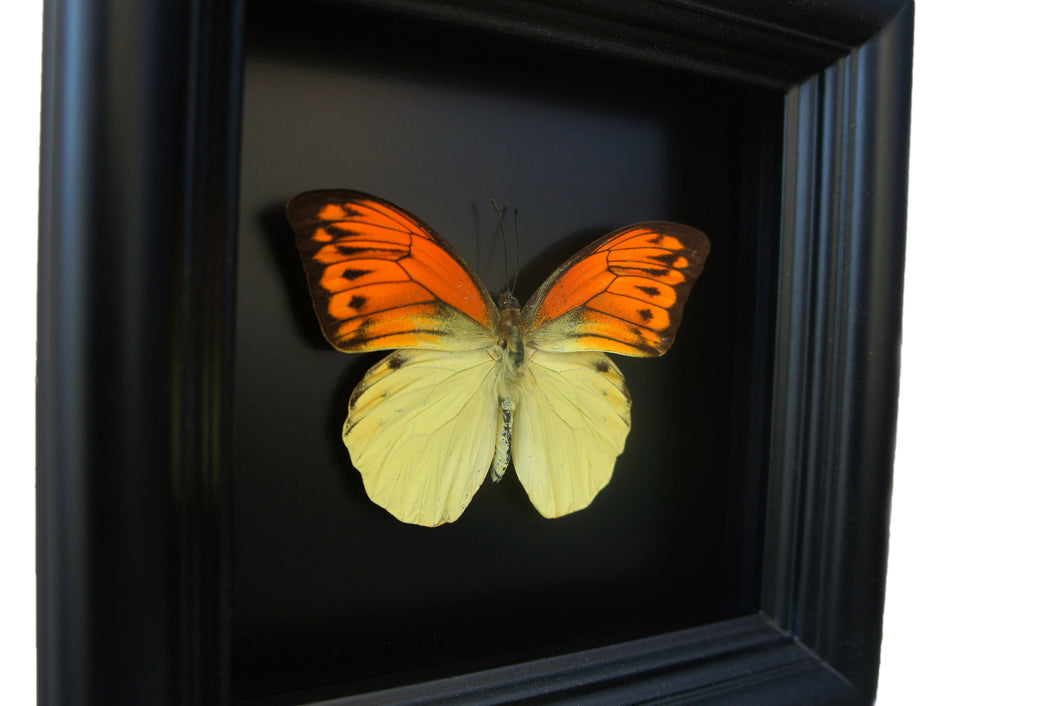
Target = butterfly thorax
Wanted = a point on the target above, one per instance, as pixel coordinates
(511, 333)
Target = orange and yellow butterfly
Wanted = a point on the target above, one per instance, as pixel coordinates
(474, 384)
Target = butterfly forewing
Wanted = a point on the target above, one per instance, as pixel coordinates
(621, 294)
(381, 278)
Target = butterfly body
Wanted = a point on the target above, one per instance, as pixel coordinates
(510, 352)
(474, 386)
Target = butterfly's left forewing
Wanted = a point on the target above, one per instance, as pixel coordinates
(381, 278)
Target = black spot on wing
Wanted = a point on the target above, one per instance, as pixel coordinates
(338, 232)
(396, 360)
(376, 251)
(650, 291)
(646, 314)
(352, 274)
(667, 259)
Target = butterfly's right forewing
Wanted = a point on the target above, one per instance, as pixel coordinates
(622, 294)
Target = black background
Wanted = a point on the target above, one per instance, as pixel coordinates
(329, 588)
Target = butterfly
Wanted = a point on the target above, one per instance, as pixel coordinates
(474, 385)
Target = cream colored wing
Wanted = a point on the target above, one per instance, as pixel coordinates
(421, 429)
(571, 424)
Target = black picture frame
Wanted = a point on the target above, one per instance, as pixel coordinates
(139, 211)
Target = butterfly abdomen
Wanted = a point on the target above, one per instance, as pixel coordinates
(502, 452)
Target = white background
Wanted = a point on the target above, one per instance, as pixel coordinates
(973, 586)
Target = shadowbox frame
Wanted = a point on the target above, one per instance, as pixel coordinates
(138, 215)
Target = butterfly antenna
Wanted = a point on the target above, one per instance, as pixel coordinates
(504, 242)
(518, 255)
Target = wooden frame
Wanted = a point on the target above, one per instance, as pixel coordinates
(139, 207)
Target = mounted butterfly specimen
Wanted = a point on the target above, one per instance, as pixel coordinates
(473, 384)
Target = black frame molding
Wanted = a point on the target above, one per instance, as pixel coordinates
(138, 202)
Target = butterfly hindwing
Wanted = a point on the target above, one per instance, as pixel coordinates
(381, 278)
(421, 429)
(570, 426)
(622, 294)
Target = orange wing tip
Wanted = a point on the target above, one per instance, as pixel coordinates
(649, 238)
(334, 211)
(341, 205)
